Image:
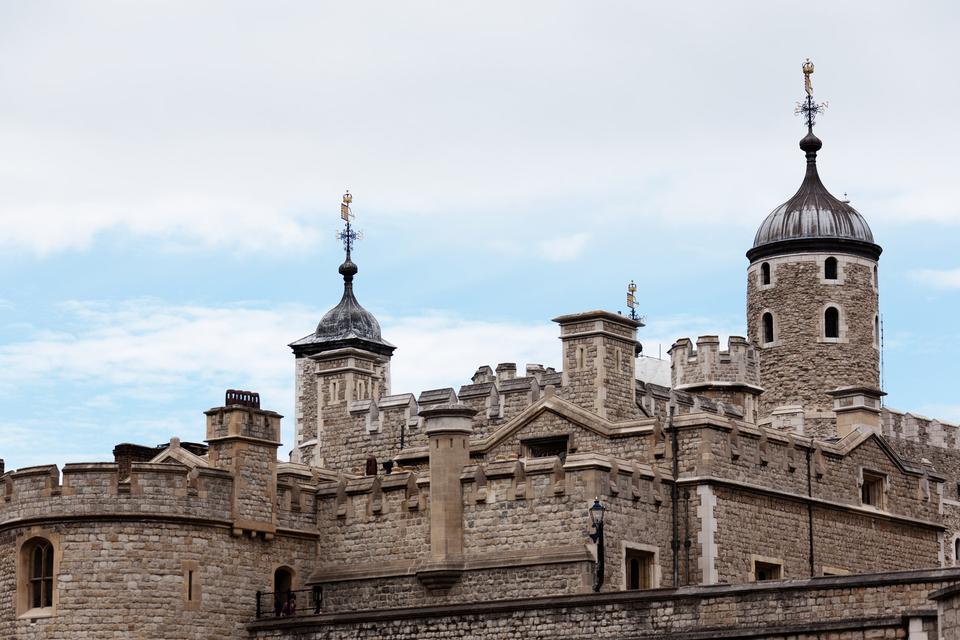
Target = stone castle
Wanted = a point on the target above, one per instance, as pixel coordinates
(766, 493)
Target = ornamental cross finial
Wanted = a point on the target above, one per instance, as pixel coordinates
(348, 236)
(808, 108)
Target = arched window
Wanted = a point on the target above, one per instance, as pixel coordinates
(765, 273)
(876, 279)
(767, 328)
(830, 269)
(831, 323)
(876, 330)
(38, 555)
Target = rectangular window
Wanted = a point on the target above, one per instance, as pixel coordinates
(767, 570)
(639, 569)
(546, 447)
(871, 492)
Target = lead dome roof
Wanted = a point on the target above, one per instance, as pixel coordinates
(813, 219)
(346, 325)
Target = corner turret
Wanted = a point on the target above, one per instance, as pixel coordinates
(731, 376)
(346, 359)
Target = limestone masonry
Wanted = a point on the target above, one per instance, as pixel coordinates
(766, 493)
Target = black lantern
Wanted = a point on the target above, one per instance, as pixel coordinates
(596, 512)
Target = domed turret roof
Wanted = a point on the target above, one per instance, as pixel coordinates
(813, 219)
(348, 319)
(346, 325)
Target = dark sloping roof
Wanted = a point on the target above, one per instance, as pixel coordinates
(346, 325)
(813, 219)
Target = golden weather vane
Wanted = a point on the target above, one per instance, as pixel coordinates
(808, 108)
(348, 235)
(807, 72)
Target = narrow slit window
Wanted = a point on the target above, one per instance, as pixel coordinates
(830, 269)
(765, 273)
(831, 323)
(956, 552)
(767, 328)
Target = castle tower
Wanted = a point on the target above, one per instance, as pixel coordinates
(730, 375)
(599, 363)
(812, 300)
(344, 360)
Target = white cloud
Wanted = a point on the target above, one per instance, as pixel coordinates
(426, 109)
(145, 358)
(937, 278)
(564, 248)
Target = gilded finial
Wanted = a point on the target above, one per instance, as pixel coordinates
(348, 235)
(807, 72)
(808, 108)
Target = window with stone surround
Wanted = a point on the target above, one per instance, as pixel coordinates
(767, 570)
(546, 447)
(830, 269)
(765, 273)
(37, 577)
(873, 489)
(956, 551)
(768, 334)
(191, 585)
(639, 569)
(831, 322)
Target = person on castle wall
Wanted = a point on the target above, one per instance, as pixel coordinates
(290, 606)
(277, 604)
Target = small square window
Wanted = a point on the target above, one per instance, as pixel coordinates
(767, 570)
(871, 492)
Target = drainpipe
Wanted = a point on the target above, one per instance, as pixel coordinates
(675, 544)
(810, 510)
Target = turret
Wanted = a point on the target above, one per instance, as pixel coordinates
(812, 303)
(599, 363)
(243, 440)
(731, 375)
(344, 360)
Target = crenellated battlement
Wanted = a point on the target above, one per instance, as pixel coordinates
(919, 430)
(708, 364)
(89, 489)
(731, 375)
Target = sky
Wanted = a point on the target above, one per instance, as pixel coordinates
(170, 178)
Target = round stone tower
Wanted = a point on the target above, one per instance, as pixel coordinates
(812, 305)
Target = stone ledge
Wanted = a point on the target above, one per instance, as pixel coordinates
(925, 578)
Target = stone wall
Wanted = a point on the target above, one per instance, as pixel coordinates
(893, 605)
(800, 366)
(125, 578)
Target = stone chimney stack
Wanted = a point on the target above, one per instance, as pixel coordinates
(243, 440)
(599, 363)
(448, 429)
